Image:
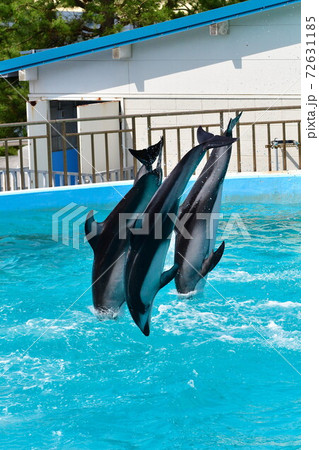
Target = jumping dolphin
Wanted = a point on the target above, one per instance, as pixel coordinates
(145, 262)
(195, 256)
(108, 240)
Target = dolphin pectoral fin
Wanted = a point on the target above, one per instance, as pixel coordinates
(167, 276)
(93, 230)
(212, 260)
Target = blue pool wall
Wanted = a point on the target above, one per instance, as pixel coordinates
(249, 188)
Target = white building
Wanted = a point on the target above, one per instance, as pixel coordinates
(245, 55)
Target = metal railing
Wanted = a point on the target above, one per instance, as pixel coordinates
(101, 155)
(27, 179)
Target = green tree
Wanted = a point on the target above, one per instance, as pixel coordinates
(25, 25)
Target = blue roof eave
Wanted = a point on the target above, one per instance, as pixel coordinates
(141, 34)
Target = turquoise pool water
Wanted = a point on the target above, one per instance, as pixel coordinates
(219, 370)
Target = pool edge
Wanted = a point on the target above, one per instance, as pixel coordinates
(245, 186)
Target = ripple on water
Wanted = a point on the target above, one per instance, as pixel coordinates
(213, 373)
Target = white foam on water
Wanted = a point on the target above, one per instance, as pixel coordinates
(57, 433)
(163, 308)
(273, 326)
(11, 307)
(276, 304)
(110, 314)
(72, 321)
(246, 277)
(226, 337)
(172, 330)
(91, 309)
(51, 326)
(281, 338)
(182, 317)
(35, 372)
(239, 327)
(179, 316)
(187, 295)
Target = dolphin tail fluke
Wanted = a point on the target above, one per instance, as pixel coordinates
(92, 230)
(212, 141)
(212, 260)
(218, 141)
(231, 124)
(167, 276)
(148, 155)
(203, 136)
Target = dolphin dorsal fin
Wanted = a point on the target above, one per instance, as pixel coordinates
(93, 230)
(168, 275)
(212, 260)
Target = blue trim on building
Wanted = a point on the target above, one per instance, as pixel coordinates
(141, 34)
(243, 188)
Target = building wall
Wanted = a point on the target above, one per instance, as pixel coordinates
(38, 113)
(256, 65)
(259, 56)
